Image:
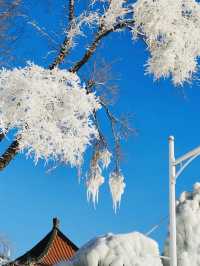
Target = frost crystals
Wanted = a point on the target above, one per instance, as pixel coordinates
(50, 110)
(171, 29)
(100, 160)
(117, 186)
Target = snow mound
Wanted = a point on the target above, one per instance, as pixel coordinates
(133, 249)
(188, 228)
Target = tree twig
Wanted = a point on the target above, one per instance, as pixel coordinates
(113, 122)
(2, 136)
(99, 36)
(9, 154)
(71, 10)
(64, 50)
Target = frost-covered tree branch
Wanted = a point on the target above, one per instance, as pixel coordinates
(71, 10)
(125, 129)
(57, 116)
(95, 178)
(9, 154)
(107, 23)
(2, 136)
(99, 36)
(65, 47)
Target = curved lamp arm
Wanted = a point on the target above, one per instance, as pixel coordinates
(185, 165)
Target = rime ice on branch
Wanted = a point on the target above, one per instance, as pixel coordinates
(53, 115)
(100, 160)
(117, 186)
(50, 110)
(171, 29)
(56, 116)
(116, 11)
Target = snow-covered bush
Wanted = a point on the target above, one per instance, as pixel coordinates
(188, 229)
(133, 249)
(50, 110)
(171, 29)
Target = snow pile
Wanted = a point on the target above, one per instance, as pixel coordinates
(50, 110)
(188, 229)
(171, 29)
(133, 249)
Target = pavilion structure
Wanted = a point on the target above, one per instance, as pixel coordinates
(52, 249)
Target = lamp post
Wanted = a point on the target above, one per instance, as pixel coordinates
(176, 167)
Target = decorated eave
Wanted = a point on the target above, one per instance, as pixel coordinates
(53, 248)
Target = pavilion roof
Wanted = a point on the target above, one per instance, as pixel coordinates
(53, 248)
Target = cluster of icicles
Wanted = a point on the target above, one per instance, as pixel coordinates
(96, 179)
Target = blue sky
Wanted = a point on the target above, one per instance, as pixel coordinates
(30, 197)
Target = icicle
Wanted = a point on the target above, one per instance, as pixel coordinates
(93, 185)
(117, 186)
(105, 157)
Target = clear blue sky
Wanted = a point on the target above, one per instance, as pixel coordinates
(30, 197)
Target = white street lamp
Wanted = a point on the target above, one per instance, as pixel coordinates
(182, 162)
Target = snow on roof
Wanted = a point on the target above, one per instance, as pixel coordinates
(133, 249)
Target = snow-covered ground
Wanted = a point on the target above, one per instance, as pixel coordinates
(188, 228)
(133, 249)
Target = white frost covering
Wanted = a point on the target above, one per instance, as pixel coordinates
(93, 185)
(100, 161)
(115, 12)
(51, 111)
(133, 249)
(171, 29)
(117, 186)
(188, 229)
(105, 158)
(76, 29)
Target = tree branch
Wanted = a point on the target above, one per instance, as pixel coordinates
(114, 122)
(99, 36)
(9, 154)
(14, 147)
(71, 10)
(64, 50)
(115, 119)
(2, 136)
